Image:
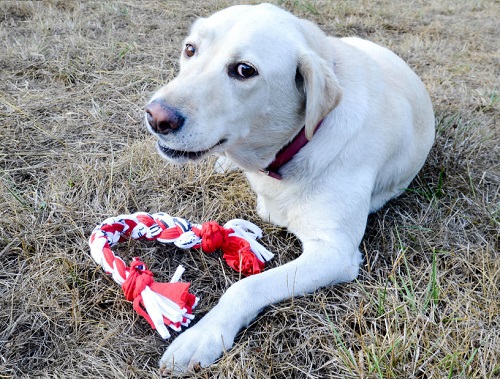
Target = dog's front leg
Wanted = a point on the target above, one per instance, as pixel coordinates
(322, 263)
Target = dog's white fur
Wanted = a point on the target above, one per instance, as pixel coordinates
(377, 131)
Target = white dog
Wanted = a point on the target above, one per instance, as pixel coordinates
(251, 78)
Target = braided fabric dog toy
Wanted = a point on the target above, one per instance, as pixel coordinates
(171, 304)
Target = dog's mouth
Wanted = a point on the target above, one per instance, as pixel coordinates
(185, 154)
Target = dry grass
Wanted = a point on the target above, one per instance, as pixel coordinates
(74, 76)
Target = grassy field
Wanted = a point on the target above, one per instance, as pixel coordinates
(74, 77)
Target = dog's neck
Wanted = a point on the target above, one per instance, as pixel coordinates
(287, 152)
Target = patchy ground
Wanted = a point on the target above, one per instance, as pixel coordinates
(74, 76)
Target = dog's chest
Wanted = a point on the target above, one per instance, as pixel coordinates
(275, 199)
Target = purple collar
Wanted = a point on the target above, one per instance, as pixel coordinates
(287, 152)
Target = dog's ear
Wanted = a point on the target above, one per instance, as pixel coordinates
(322, 90)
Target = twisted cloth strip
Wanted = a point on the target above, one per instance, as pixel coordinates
(171, 304)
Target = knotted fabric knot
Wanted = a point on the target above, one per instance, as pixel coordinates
(213, 236)
(138, 279)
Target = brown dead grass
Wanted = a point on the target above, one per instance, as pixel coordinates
(74, 76)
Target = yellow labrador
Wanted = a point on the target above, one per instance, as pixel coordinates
(251, 79)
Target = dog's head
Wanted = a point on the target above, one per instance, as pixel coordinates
(250, 77)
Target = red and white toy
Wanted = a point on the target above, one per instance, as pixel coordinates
(171, 304)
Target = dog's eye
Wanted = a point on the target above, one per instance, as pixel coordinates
(242, 71)
(245, 71)
(189, 50)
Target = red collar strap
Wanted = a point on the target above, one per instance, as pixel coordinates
(287, 152)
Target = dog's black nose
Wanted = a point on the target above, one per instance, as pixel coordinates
(163, 118)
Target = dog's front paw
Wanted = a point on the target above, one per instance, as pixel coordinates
(195, 348)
